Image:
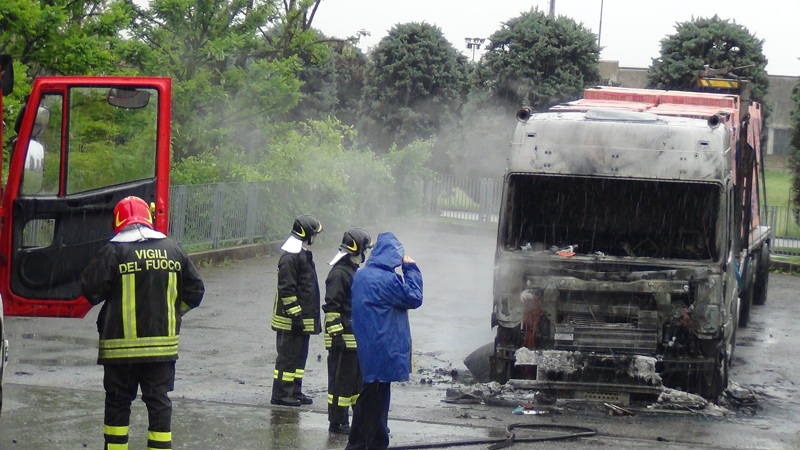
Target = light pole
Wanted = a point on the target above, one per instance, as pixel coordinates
(474, 44)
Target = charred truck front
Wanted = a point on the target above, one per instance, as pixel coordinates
(622, 244)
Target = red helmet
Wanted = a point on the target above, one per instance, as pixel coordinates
(131, 210)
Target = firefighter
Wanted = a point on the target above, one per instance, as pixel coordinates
(295, 315)
(381, 300)
(344, 375)
(147, 284)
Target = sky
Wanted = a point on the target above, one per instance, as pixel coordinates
(630, 32)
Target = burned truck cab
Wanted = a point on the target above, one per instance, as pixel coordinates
(615, 267)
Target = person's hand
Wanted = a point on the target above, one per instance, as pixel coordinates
(297, 325)
(337, 343)
(408, 260)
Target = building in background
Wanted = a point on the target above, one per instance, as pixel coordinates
(779, 98)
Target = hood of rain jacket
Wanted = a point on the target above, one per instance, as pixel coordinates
(381, 298)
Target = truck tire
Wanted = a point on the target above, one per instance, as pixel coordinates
(762, 276)
(746, 293)
(713, 385)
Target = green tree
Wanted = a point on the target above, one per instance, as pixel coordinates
(714, 43)
(350, 65)
(414, 84)
(234, 64)
(794, 160)
(63, 37)
(534, 60)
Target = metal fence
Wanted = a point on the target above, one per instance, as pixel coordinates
(476, 199)
(224, 214)
(785, 230)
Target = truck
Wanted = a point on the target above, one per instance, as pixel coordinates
(80, 144)
(630, 246)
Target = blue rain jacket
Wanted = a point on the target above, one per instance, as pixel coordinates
(381, 299)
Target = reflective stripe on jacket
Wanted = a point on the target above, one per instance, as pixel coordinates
(146, 287)
(337, 307)
(298, 294)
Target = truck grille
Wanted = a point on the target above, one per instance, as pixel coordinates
(585, 333)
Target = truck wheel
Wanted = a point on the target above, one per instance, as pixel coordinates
(712, 385)
(762, 277)
(746, 293)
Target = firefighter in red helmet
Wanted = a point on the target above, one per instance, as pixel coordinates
(146, 283)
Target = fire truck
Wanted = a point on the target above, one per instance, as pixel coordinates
(79, 145)
(630, 246)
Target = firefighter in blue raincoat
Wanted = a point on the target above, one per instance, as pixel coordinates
(381, 298)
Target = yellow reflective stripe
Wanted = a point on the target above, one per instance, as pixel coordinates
(299, 373)
(331, 316)
(139, 352)
(141, 347)
(295, 310)
(335, 329)
(349, 340)
(129, 305)
(286, 376)
(342, 401)
(138, 342)
(282, 320)
(172, 298)
(116, 446)
(115, 430)
(159, 436)
(281, 326)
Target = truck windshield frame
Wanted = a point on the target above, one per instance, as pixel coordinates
(611, 216)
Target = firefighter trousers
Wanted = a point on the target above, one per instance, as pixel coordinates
(290, 365)
(121, 383)
(344, 384)
(370, 427)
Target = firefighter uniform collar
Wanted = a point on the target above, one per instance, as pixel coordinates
(137, 233)
(292, 245)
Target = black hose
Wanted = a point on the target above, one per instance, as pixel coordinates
(498, 443)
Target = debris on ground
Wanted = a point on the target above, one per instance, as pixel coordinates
(614, 410)
(492, 393)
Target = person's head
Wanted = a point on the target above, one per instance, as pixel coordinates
(355, 242)
(305, 227)
(131, 210)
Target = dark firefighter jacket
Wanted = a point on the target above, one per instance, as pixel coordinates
(381, 300)
(147, 286)
(298, 293)
(337, 307)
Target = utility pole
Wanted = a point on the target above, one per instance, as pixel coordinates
(552, 9)
(600, 29)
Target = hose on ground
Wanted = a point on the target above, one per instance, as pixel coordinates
(573, 431)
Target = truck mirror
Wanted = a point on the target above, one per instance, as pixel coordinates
(128, 98)
(7, 74)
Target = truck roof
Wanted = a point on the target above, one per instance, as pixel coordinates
(700, 105)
